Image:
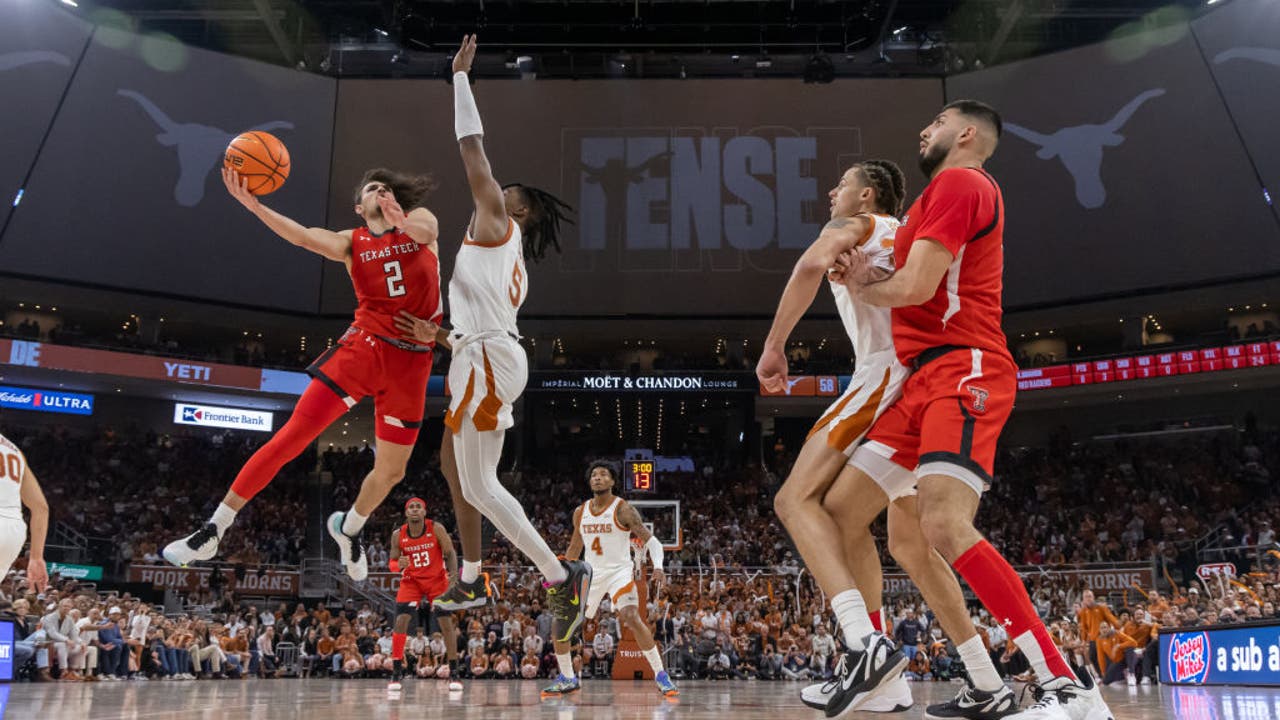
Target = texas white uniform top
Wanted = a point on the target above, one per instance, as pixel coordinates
(489, 285)
(13, 467)
(870, 328)
(606, 545)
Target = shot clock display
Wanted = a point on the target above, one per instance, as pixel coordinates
(641, 477)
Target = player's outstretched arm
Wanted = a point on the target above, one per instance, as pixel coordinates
(421, 331)
(490, 223)
(335, 246)
(839, 235)
(913, 284)
(33, 498)
(575, 545)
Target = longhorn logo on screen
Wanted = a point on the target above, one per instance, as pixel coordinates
(736, 192)
(1080, 147)
(200, 148)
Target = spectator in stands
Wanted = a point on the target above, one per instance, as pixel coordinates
(1116, 653)
(718, 664)
(235, 648)
(795, 666)
(602, 647)
(1090, 618)
(919, 667)
(267, 661)
(204, 648)
(59, 628)
(113, 658)
(824, 650)
(478, 663)
(908, 633)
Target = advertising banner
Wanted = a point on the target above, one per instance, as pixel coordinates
(1231, 655)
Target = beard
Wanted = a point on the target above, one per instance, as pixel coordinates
(932, 158)
(602, 491)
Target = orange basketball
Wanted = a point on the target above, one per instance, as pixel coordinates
(261, 159)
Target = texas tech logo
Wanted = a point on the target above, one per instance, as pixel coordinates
(1189, 658)
(979, 398)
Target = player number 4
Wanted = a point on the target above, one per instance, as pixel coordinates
(595, 545)
(395, 278)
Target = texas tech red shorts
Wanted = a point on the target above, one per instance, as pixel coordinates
(362, 364)
(947, 421)
(420, 591)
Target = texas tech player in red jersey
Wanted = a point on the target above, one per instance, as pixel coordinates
(423, 554)
(946, 296)
(393, 261)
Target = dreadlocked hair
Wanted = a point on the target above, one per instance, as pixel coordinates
(409, 190)
(542, 230)
(886, 178)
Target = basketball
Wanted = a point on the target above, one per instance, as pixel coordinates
(261, 159)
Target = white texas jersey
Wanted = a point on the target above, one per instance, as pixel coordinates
(870, 328)
(13, 467)
(489, 285)
(605, 543)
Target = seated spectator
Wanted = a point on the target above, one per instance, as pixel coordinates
(718, 664)
(919, 667)
(479, 664)
(602, 650)
(1116, 655)
(795, 666)
(503, 665)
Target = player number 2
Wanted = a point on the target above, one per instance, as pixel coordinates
(395, 278)
(595, 545)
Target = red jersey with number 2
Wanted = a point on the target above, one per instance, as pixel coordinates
(392, 272)
(963, 210)
(420, 557)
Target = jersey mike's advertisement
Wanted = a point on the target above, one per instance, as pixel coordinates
(1219, 655)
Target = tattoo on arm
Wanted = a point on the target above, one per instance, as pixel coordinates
(631, 520)
(838, 223)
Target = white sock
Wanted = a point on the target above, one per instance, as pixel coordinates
(470, 571)
(655, 660)
(353, 522)
(477, 454)
(978, 663)
(222, 518)
(851, 612)
(565, 662)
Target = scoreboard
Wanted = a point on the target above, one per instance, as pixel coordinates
(640, 476)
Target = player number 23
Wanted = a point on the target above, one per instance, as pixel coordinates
(395, 278)
(421, 559)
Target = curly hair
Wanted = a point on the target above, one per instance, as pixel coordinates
(546, 211)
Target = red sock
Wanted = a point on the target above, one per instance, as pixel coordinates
(1005, 597)
(316, 410)
(397, 645)
(877, 619)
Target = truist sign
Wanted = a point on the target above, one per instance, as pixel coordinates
(39, 400)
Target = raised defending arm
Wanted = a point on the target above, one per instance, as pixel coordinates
(489, 225)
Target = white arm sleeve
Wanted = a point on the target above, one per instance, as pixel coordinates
(656, 554)
(466, 116)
